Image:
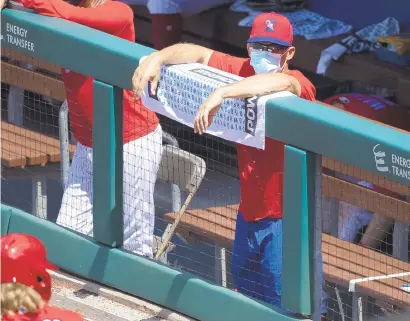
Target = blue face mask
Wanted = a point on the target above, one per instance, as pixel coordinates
(264, 62)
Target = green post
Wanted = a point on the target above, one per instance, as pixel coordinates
(296, 270)
(314, 190)
(107, 164)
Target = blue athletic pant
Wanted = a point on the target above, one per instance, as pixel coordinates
(257, 260)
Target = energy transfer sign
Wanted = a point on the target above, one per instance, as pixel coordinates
(391, 163)
(17, 36)
(183, 88)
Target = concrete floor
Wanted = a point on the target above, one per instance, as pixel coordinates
(96, 303)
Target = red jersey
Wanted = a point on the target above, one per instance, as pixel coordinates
(49, 313)
(115, 18)
(261, 171)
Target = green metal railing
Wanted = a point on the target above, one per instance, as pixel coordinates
(308, 129)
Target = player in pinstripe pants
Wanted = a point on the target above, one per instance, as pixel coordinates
(167, 17)
(142, 133)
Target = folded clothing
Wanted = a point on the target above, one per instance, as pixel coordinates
(363, 40)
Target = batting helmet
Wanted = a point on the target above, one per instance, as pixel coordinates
(24, 260)
(373, 107)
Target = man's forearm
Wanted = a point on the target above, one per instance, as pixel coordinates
(184, 53)
(261, 85)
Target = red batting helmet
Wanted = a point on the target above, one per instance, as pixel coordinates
(24, 261)
(373, 107)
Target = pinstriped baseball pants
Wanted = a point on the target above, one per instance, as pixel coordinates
(142, 158)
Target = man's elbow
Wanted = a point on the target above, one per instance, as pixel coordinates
(205, 55)
(284, 82)
(294, 86)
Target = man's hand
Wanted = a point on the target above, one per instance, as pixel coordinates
(148, 70)
(207, 111)
(247, 87)
(15, 296)
(3, 3)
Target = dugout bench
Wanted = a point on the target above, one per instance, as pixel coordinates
(28, 153)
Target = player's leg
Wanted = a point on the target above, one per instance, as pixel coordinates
(142, 158)
(167, 18)
(351, 220)
(166, 22)
(270, 236)
(76, 206)
(245, 261)
(189, 7)
(376, 230)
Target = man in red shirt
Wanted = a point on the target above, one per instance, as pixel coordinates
(257, 253)
(142, 132)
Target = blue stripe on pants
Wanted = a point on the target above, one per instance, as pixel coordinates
(257, 260)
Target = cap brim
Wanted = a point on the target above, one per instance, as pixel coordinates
(270, 39)
(50, 266)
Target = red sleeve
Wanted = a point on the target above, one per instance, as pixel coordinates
(227, 63)
(111, 17)
(55, 313)
(308, 91)
(48, 313)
